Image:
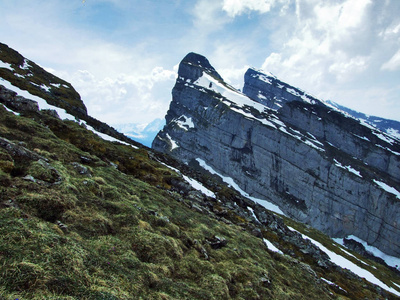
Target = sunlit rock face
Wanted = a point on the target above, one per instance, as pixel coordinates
(278, 143)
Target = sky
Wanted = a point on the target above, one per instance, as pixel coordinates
(122, 56)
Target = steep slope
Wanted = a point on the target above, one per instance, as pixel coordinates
(86, 218)
(81, 217)
(318, 165)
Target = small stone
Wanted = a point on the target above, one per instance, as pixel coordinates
(217, 242)
(29, 178)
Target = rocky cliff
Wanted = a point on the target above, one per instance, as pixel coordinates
(278, 143)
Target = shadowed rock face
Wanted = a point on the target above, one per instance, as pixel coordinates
(280, 144)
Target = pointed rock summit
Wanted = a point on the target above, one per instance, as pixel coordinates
(193, 65)
(282, 145)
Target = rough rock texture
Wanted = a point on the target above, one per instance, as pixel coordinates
(320, 166)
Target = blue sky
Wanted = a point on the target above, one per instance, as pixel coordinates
(122, 56)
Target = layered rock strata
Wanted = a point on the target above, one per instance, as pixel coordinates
(280, 144)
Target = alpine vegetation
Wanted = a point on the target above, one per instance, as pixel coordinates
(87, 213)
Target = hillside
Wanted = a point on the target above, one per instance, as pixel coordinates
(82, 217)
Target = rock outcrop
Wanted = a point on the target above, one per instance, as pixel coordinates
(278, 143)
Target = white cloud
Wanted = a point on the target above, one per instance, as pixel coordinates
(343, 70)
(207, 17)
(117, 82)
(125, 98)
(237, 7)
(392, 64)
(328, 43)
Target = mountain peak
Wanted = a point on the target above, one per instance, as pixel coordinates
(193, 65)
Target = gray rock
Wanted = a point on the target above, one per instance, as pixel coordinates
(318, 165)
(19, 151)
(16, 103)
(29, 178)
(81, 169)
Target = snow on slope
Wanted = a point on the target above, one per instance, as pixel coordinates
(389, 260)
(347, 264)
(6, 66)
(242, 104)
(268, 205)
(61, 112)
(335, 258)
(194, 183)
(41, 102)
(388, 188)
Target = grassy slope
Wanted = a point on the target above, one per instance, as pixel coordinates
(129, 234)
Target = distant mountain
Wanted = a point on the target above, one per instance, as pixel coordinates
(317, 164)
(141, 133)
(391, 127)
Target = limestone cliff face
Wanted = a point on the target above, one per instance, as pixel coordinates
(280, 144)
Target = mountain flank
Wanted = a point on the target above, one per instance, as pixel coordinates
(82, 217)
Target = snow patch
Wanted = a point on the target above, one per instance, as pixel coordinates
(6, 66)
(385, 138)
(261, 96)
(26, 65)
(194, 183)
(389, 260)
(253, 214)
(362, 137)
(230, 93)
(41, 102)
(271, 246)
(45, 87)
(106, 136)
(198, 186)
(347, 264)
(268, 205)
(393, 132)
(184, 122)
(332, 283)
(10, 110)
(61, 112)
(174, 145)
(388, 188)
(348, 168)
